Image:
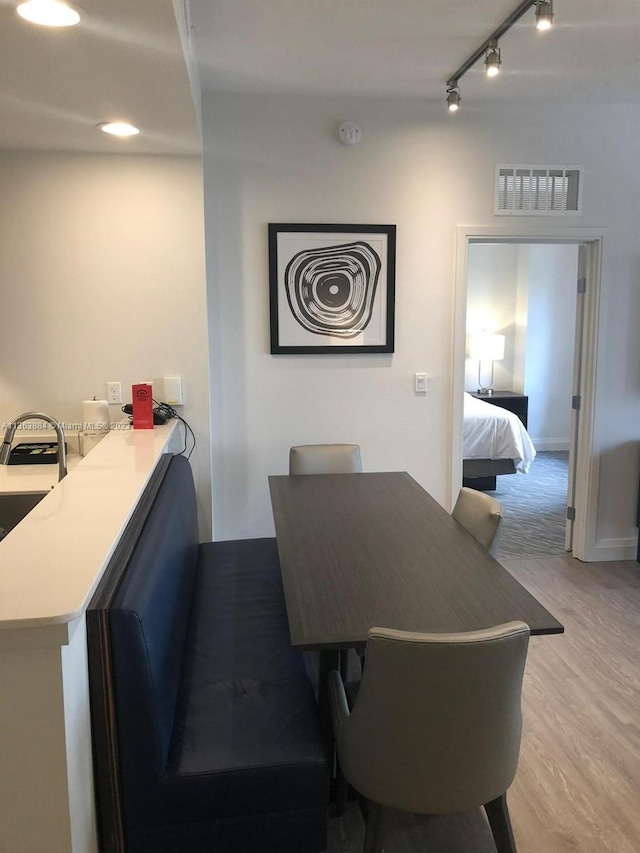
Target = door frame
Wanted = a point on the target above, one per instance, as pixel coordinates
(587, 468)
(576, 388)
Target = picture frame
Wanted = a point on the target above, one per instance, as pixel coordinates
(331, 288)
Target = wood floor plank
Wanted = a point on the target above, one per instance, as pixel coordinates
(579, 775)
(578, 784)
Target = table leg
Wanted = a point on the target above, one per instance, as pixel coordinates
(329, 660)
(343, 661)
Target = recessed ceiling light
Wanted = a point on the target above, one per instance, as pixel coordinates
(49, 13)
(118, 128)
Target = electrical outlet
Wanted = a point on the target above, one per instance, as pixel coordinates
(114, 392)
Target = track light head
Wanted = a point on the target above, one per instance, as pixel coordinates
(493, 60)
(453, 99)
(544, 14)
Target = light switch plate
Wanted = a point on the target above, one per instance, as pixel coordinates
(420, 383)
(172, 390)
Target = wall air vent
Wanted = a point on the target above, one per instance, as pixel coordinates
(538, 190)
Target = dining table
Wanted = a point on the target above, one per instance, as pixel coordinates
(367, 550)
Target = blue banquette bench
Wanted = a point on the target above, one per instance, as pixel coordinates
(206, 729)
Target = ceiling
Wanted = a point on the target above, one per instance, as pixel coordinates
(411, 47)
(125, 61)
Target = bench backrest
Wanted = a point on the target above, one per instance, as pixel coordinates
(148, 622)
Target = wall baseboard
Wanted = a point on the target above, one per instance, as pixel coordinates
(610, 550)
(550, 443)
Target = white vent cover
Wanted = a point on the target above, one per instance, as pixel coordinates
(538, 190)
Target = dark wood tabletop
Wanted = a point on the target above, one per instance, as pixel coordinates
(365, 550)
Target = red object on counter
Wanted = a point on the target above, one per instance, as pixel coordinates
(142, 402)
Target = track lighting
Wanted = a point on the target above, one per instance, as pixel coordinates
(493, 61)
(544, 14)
(453, 99)
(490, 50)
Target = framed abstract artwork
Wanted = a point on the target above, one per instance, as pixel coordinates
(332, 288)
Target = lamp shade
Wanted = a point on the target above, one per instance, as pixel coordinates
(487, 346)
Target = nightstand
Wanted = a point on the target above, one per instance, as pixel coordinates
(516, 403)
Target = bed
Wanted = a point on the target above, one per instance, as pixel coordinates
(494, 442)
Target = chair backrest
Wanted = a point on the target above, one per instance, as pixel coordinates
(479, 513)
(325, 459)
(436, 724)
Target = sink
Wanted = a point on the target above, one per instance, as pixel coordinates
(14, 506)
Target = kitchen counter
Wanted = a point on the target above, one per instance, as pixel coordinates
(50, 565)
(30, 479)
(52, 561)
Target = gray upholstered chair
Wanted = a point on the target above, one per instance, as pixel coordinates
(325, 459)
(479, 513)
(435, 724)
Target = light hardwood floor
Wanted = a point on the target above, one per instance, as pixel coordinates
(578, 784)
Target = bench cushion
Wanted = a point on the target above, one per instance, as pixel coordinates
(247, 726)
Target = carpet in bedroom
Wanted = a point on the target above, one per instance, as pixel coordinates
(534, 506)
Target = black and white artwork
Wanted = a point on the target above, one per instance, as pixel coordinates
(331, 288)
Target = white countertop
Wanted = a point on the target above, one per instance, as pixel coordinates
(33, 478)
(51, 562)
(38, 477)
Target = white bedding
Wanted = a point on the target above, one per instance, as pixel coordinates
(491, 432)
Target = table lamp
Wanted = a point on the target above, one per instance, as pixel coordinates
(486, 346)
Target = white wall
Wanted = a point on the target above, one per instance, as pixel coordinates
(277, 159)
(102, 278)
(491, 305)
(551, 318)
(522, 309)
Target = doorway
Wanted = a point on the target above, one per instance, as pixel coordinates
(525, 286)
(526, 294)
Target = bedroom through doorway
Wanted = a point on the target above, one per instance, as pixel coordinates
(528, 294)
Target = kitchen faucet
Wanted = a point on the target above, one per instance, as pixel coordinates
(35, 416)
